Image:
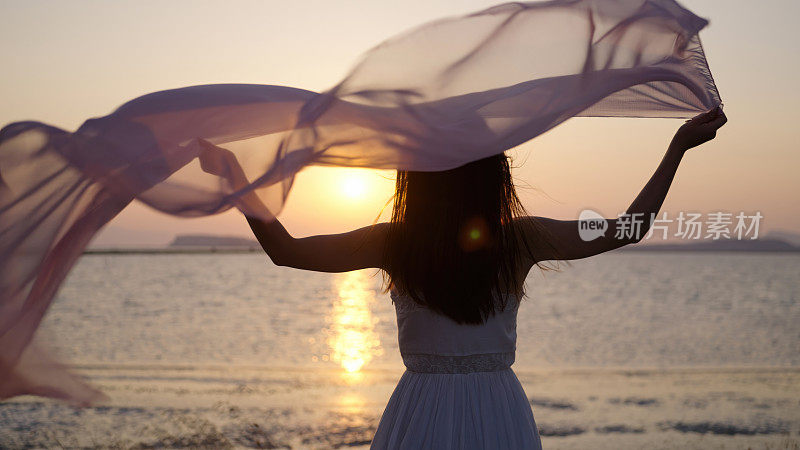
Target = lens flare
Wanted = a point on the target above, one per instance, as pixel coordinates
(474, 235)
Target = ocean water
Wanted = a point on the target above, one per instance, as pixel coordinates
(227, 350)
(622, 309)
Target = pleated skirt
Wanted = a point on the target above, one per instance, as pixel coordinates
(480, 410)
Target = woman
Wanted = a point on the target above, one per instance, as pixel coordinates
(456, 254)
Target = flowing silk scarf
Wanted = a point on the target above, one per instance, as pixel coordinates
(436, 97)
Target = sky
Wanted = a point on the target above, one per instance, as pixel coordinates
(64, 62)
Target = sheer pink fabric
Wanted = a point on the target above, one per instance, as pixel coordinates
(436, 97)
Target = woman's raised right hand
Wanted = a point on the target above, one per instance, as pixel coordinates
(699, 129)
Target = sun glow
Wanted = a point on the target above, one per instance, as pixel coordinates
(328, 200)
(354, 184)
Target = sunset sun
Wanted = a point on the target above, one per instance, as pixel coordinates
(353, 186)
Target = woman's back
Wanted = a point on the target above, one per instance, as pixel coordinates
(432, 342)
(458, 390)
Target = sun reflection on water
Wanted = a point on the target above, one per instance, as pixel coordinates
(353, 340)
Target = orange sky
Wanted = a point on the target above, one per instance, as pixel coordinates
(65, 62)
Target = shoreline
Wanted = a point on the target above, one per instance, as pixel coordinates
(247, 250)
(257, 407)
(577, 370)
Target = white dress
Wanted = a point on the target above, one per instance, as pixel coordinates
(458, 390)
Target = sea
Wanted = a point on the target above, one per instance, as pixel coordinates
(215, 350)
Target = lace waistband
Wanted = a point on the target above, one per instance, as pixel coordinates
(484, 362)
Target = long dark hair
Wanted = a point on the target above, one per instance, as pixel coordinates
(453, 244)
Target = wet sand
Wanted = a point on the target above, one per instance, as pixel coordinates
(258, 407)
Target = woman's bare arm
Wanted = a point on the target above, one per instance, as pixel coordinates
(358, 249)
(563, 235)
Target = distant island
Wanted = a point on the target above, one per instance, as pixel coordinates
(211, 243)
(190, 243)
(767, 244)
